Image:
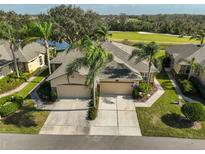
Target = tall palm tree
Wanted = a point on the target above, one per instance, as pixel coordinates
(41, 31)
(94, 58)
(194, 66)
(14, 36)
(200, 35)
(146, 52)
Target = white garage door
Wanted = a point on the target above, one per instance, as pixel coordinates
(123, 88)
(73, 91)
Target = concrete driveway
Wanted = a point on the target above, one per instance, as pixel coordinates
(116, 116)
(68, 116)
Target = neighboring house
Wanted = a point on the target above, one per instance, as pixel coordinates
(116, 77)
(186, 51)
(31, 57)
(6, 63)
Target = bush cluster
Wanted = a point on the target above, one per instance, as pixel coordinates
(92, 113)
(193, 111)
(187, 87)
(145, 87)
(11, 105)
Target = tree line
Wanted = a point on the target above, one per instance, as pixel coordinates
(180, 24)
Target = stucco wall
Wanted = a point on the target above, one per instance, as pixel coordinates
(34, 64)
(75, 79)
(202, 78)
(177, 68)
(6, 70)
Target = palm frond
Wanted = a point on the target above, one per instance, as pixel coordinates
(75, 65)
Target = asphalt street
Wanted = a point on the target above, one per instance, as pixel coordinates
(80, 142)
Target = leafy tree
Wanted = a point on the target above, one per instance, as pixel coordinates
(146, 52)
(199, 36)
(94, 58)
(194, 66)
(14, 35)
(41, 31)
(71, 22)
(193, 111)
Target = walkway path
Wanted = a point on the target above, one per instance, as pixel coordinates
(178, 90)
(22, 85)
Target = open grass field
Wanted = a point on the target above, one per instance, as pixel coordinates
(158, 38)
(165, 118)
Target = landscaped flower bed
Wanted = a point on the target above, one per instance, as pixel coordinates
(143, 91)
(11, 81)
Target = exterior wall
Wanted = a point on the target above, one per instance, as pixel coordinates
(202, 78)
(7, 69)
(34, 64)
(177, 68)
(75, 79)
(54, 67)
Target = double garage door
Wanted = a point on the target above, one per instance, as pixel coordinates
(114, 88)
(106, 88)
(73, 91)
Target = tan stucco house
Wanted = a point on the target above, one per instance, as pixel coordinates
(31, 57)
(187, 51)
(116, 77)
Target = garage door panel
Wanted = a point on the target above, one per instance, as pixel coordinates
(123, 88)
(73, 91)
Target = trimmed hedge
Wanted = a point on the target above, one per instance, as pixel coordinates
(11, 105)
(92, 113)
(194, 111)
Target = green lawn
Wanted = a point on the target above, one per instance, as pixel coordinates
(164, 118)
(28, 119)
(158, 38)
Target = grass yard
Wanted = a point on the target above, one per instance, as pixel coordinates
(28, 119)
(164, 118)
(158, 38)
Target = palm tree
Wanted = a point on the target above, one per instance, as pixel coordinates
(194, 66)
(199, 36)
(102, 33)
(41, 31)
(94, 58)
(146, 52)
(14, 36)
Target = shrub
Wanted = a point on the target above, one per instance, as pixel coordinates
(193, 111)
(135, 93)
(11, 105)
(187, 86)
(53, 96)
(92, 113)
(145, 87)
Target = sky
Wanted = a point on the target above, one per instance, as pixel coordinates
(104, 9)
